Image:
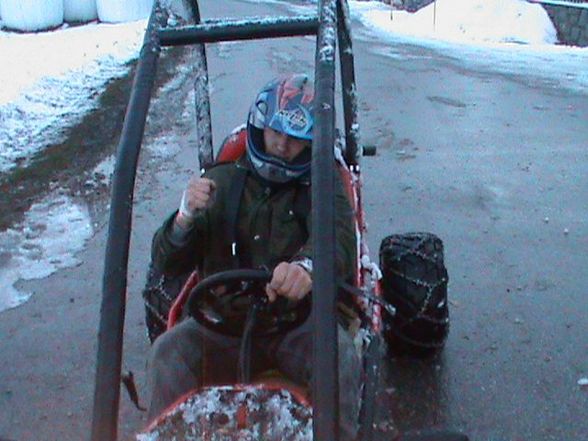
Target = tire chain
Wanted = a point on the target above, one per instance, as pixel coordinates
(415, 250)
(430, 287)
(158, 301)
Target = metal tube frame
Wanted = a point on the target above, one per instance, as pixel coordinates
(325, 388)
(352, 154)
(114, 284)
(202, 100)
(250, 29)
(347, 67)
(333, 22)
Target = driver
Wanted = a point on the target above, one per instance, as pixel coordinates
(272, 231)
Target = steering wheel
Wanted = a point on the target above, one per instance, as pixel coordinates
(222, 301)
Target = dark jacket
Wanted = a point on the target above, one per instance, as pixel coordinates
(270, 229)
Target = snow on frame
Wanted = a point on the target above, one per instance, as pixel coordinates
(219, 413)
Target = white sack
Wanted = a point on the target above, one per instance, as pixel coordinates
(118, 11)
(31, 15)
(80, 10)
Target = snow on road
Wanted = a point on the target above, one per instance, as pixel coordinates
(51, 79)
(53, 231)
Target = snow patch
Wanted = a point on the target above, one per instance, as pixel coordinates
(166, 145)
(53, 231)
(28, 58)
(50, 88)
(104, 170)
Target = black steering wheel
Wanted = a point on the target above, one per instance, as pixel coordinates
(222, 301)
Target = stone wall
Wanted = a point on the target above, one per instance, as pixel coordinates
(570, 20)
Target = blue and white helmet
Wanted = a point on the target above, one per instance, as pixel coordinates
(286, 105)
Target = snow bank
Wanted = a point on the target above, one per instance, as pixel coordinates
(31, 15)
(118, 11)
(51, 79)
(471, 21)
(80, 10)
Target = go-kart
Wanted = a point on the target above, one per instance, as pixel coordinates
(266, 407)
(400, 304)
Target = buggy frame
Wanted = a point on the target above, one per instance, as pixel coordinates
(331, 25)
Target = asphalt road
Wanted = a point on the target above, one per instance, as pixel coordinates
(495, 164)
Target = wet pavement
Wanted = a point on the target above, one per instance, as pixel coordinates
(495, 164)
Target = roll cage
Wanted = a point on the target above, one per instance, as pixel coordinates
(331, 26)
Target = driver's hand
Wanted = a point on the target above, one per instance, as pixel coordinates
(199, 194)
(289, 280)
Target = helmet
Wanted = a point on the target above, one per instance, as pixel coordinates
(284, 104)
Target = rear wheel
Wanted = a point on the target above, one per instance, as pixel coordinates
(415, 283)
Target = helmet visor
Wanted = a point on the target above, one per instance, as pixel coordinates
(295, 121)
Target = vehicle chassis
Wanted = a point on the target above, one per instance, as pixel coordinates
(332, 27)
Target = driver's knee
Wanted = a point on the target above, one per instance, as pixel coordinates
(173, 366)
(177, 346)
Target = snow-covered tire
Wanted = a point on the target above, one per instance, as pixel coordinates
(415, 283)
(159, 294)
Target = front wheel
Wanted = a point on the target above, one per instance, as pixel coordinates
(415, 283)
